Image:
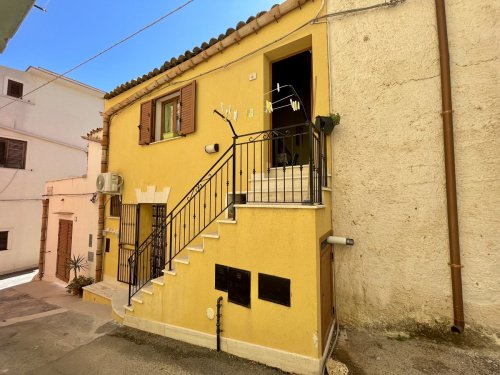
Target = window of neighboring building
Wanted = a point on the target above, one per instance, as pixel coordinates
(116, 206)
(12, 153)
(14, 89)
(168, 116)
(4, 240)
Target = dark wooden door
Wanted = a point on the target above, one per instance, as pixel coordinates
(64, 249)
(326, 288)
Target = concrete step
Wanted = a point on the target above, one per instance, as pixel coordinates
(158, 281)
(137, 300)
(210, 235)
(287, 171)
(181, 260)
(169, 272)
(196, 248)
(287, 183)
(278, 197)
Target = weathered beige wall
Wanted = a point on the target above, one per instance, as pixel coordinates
(389, 183)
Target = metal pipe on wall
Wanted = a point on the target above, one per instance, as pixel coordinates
(43, 238)
(449, 156)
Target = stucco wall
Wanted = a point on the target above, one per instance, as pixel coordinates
(21, 196)
(51, 120)
(62, 110)
(70, 200)
(180, 162)
(389, 183)
(290, 251)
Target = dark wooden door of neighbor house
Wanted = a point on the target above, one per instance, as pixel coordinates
(129, 237)
(64, 249)
(159, 240)
(326, 289)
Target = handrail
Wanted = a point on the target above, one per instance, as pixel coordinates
(253, 158)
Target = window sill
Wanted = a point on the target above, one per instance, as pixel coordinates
(167, 140)
(18, 169)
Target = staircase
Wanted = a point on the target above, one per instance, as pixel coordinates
(154, 288)
(244, 169)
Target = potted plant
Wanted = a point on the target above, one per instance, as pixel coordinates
(78, 264)
(76, 285)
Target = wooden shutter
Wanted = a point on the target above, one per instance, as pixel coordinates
(4, 240)
(188, 106)
(14, 89)
(146, 123)
(3, 151)
(16, 152)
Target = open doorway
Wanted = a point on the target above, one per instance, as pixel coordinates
(296, 71)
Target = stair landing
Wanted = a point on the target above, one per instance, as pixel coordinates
(108, 294)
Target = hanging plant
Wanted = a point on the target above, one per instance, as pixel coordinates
(335, 118)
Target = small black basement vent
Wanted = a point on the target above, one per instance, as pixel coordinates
(234, 281)
(239, 287)
(274, 289)
(221, 277)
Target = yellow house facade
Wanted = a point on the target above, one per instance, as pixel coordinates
(234, 120)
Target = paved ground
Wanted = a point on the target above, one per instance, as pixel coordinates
(377, 354)
(45, 331)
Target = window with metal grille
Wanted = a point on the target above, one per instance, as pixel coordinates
(12, 153)
(14, 89)
(4, 240)
(116, 206)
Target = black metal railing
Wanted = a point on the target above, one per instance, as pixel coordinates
(284, 165)
(128, 239)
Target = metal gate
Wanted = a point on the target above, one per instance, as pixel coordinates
(159, 240)
(128, 240)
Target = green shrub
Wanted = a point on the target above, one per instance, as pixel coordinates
(76, 285)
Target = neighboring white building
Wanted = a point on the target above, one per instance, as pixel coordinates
(40, 140)
(71, 213)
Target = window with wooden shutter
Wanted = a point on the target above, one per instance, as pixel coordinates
(169, 115)
(14, 89)
(12, 153)
(188, 106)
(4, 240)
(146, 123)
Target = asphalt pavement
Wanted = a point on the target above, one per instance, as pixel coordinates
(45, 331)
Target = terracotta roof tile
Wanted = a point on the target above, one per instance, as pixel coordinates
(176, 61)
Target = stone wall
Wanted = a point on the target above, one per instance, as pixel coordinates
(388, 162)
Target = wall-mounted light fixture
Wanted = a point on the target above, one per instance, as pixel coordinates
(212, 149)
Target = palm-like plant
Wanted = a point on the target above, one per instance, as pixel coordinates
(77, 264)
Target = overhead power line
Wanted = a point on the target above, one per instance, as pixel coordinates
(103, 51)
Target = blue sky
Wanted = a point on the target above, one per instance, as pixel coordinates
(73, 30)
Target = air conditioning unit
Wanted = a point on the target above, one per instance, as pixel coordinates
(109, 183)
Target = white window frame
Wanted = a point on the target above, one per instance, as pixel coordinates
(158, 124)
